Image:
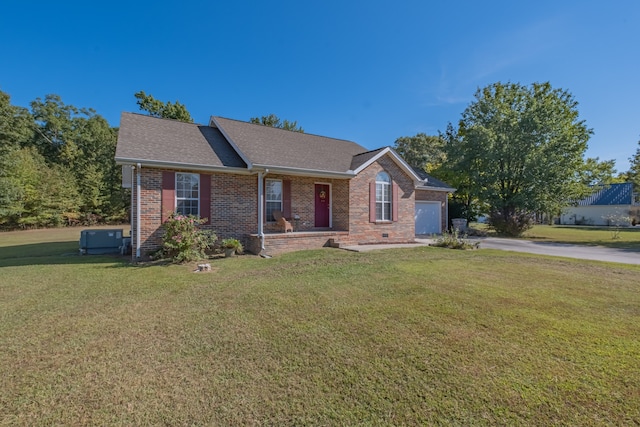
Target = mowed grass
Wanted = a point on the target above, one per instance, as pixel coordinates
(626, 238)
(422, 336)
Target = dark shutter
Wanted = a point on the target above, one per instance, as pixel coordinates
(394, 205)
(205, 198)
(168, 203)
(372, 202)
(286, 198)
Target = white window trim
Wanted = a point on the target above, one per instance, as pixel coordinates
(267, 201)
(384, 202)
(187, 198)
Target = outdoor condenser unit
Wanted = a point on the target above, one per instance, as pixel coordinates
(97, 242)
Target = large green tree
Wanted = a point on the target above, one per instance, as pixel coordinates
(165, 110)
(16, 129)
(633, 174)
(84, 143)
(57, 165)
(274, 121)
(421, 151)
(41, 195)
(520, 149)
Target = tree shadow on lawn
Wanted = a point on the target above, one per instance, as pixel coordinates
(49, 253)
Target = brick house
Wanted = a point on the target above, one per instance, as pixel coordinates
(233, 173)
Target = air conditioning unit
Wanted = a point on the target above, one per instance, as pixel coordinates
(98, 242)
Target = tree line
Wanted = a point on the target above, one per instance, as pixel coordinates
(57, 166)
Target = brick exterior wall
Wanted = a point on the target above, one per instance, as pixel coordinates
(303, 202)
(234, 209)
(436, 196)
(276, 244)
(360, 229)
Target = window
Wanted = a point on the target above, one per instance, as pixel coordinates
(383, 197)
(273, 197)
(187, 193)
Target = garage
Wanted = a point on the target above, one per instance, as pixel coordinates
(428, 218)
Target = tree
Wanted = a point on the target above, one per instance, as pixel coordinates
(57, 163)
(520, 149)
(422, 151)
(274, 121)
(633, 174)
(165, 110)
(82, 142)
(40, 195)
(15, 125)
(596, 172)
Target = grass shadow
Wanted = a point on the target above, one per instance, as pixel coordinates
(48, 253)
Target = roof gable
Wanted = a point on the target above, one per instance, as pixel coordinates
(363, 160)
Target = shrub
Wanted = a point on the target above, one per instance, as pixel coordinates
(183, 241)
(453, 240)
(617, 221)
(510, 225)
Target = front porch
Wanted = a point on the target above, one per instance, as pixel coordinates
(278, 243)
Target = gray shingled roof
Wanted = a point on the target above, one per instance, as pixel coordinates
(145, 138)
(235, 144)
(273, 147)
(431, 181)
(362, 158)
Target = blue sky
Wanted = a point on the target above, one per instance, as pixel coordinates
(368, 71)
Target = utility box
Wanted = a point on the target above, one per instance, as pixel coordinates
(98, 242)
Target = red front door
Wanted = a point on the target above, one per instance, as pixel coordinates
(323, 200)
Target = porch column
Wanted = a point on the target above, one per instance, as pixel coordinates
(261, 208)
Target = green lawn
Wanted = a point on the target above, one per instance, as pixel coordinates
(626, 238)
(422, 336)
(604, 236)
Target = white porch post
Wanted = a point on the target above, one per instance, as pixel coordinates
(261, 209)
(138, 204)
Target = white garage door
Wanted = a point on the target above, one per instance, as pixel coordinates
(428, 218)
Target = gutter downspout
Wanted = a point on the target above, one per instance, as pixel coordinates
(138, 167)
(261, 176)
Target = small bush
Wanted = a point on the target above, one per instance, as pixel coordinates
(616, 222)
(453, 240)
(183, 241)
(513, 225)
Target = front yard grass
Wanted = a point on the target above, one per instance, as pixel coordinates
(422, 336)
(626, 238)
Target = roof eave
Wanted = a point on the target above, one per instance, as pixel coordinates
(303, 172)
(446, 189)
(396, 158)
(178, 165)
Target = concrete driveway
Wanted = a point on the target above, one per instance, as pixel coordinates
(596, 253)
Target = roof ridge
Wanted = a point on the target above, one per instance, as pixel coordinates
(285, 130)
(161, 118)
(371, 151)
